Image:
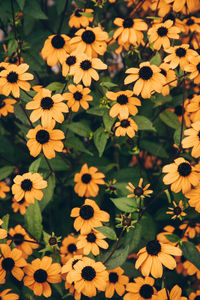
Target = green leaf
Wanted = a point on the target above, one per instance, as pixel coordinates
(86, 14)
(12, 47)
(80, 128)
(154, 148)
(75, 143)
(32, 8)
(160, 100)
(21, 3)
(48, 192)
(118, 258)
(97, 111)
(55, 86)
(108, 232)
(144, 123)
(60, 4)
(100, 140)
(108, 121)
(6, 171)
(35, 165)
(133, 237)
(170, 119)
(124, 204)
(5, 220)
(191, 253)
(108, 84)
(177, 136)
(156, 59)
(172, 238)
(33, 220)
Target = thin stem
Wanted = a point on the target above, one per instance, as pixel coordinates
(182, 121)
(157, 7)
(62, 17)
(140, 3)
(98, 89)
(15, 31)
(165, 285)
(48, 164)
(25, 112)
(115, 248)
(64, 87)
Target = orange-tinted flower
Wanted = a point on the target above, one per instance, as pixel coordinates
(192, 139)
(125, 126)
(190, 228)
(177, 210)
(174, 294)
(78, 20)
(194, 296)
(3, 189)
(194, 69)
(194, 196)
(87, 181)
(170, 76)
(69, 248)
(192, 269)
(186, 6)
(193, 108)
(139, 191)
(88, 216)
(20, 206)
(6, 295)
(116, 282)
(6, 106)
(3, 232)
(68, 61)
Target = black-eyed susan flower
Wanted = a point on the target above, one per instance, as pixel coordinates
(6, 295)
(14, 78)
(169, 230)
(4, 188)
(194, 295)
(3, 232)
(194, 196)
(170, 77)
(46, 139)
(141, 289)
(77, 97)
(69, 248)
(20, 206)
(3, 66)
(40, 273)
(69, 265)
(191, 269)
(87, 181)
(174, 294)
(186, 6)
(129, 31)
(192, 108)
(191, 24)
(181, 175)
(11, 261)
(161, 6)
(85, 69)
(139, 191)
(179, 265)
(68, 61)
(47, 107)
(54, 49)
(22, 240)
(6, 106)
(116, 282)
(160, 34)
(179, 55)
(125, 104)
(91, 242)
(88, 277)
(190, 228)
(125, 126)
(156, 254)
(148, 79)
(177, 211)
(28, 186)
(88, 216)
(77, 19)
(194, 68)
(91, 41)
(192, 139)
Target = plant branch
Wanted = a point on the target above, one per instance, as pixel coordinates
(115, 248)
(15, 32)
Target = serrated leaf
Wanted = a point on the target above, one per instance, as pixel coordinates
(144, 123)
(170, 119)
(55, 86)
(6, 171)
(35, 165)
(191, 253)
(172, 238)
(33, 220)
(108, 232)
(48, 192)
(100, 140)
(125, 204)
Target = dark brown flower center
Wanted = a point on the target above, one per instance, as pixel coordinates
(18, 239)
(74, 262)
(52, 241)
(77, 13)
(91, 238)
(146, 291)
(40, 276)
(122, 99)
(198, 67)
(46, 103)
(58, 42)
(138, 191)
(88, 273)
(128, 23)
(180, 52)
(86, 212)
(26, 185)
(8, 264)
(86, 178)
(179, 110)
(78, 96)
(88, 37)
(184, 169)
(145, 73)
(192, 224)
(125, 123)
(153, 247)
(12, 77)
(22, 201)
(163, 72)
(190, 96)
(2, 104)
(169, 16)
(85, 65)
(113, 277)
(197, 298)
(2, 68)
(177, 210)
(71, 60)
(162, 31)
(42, 136)
(72, 248)
(190, 22)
